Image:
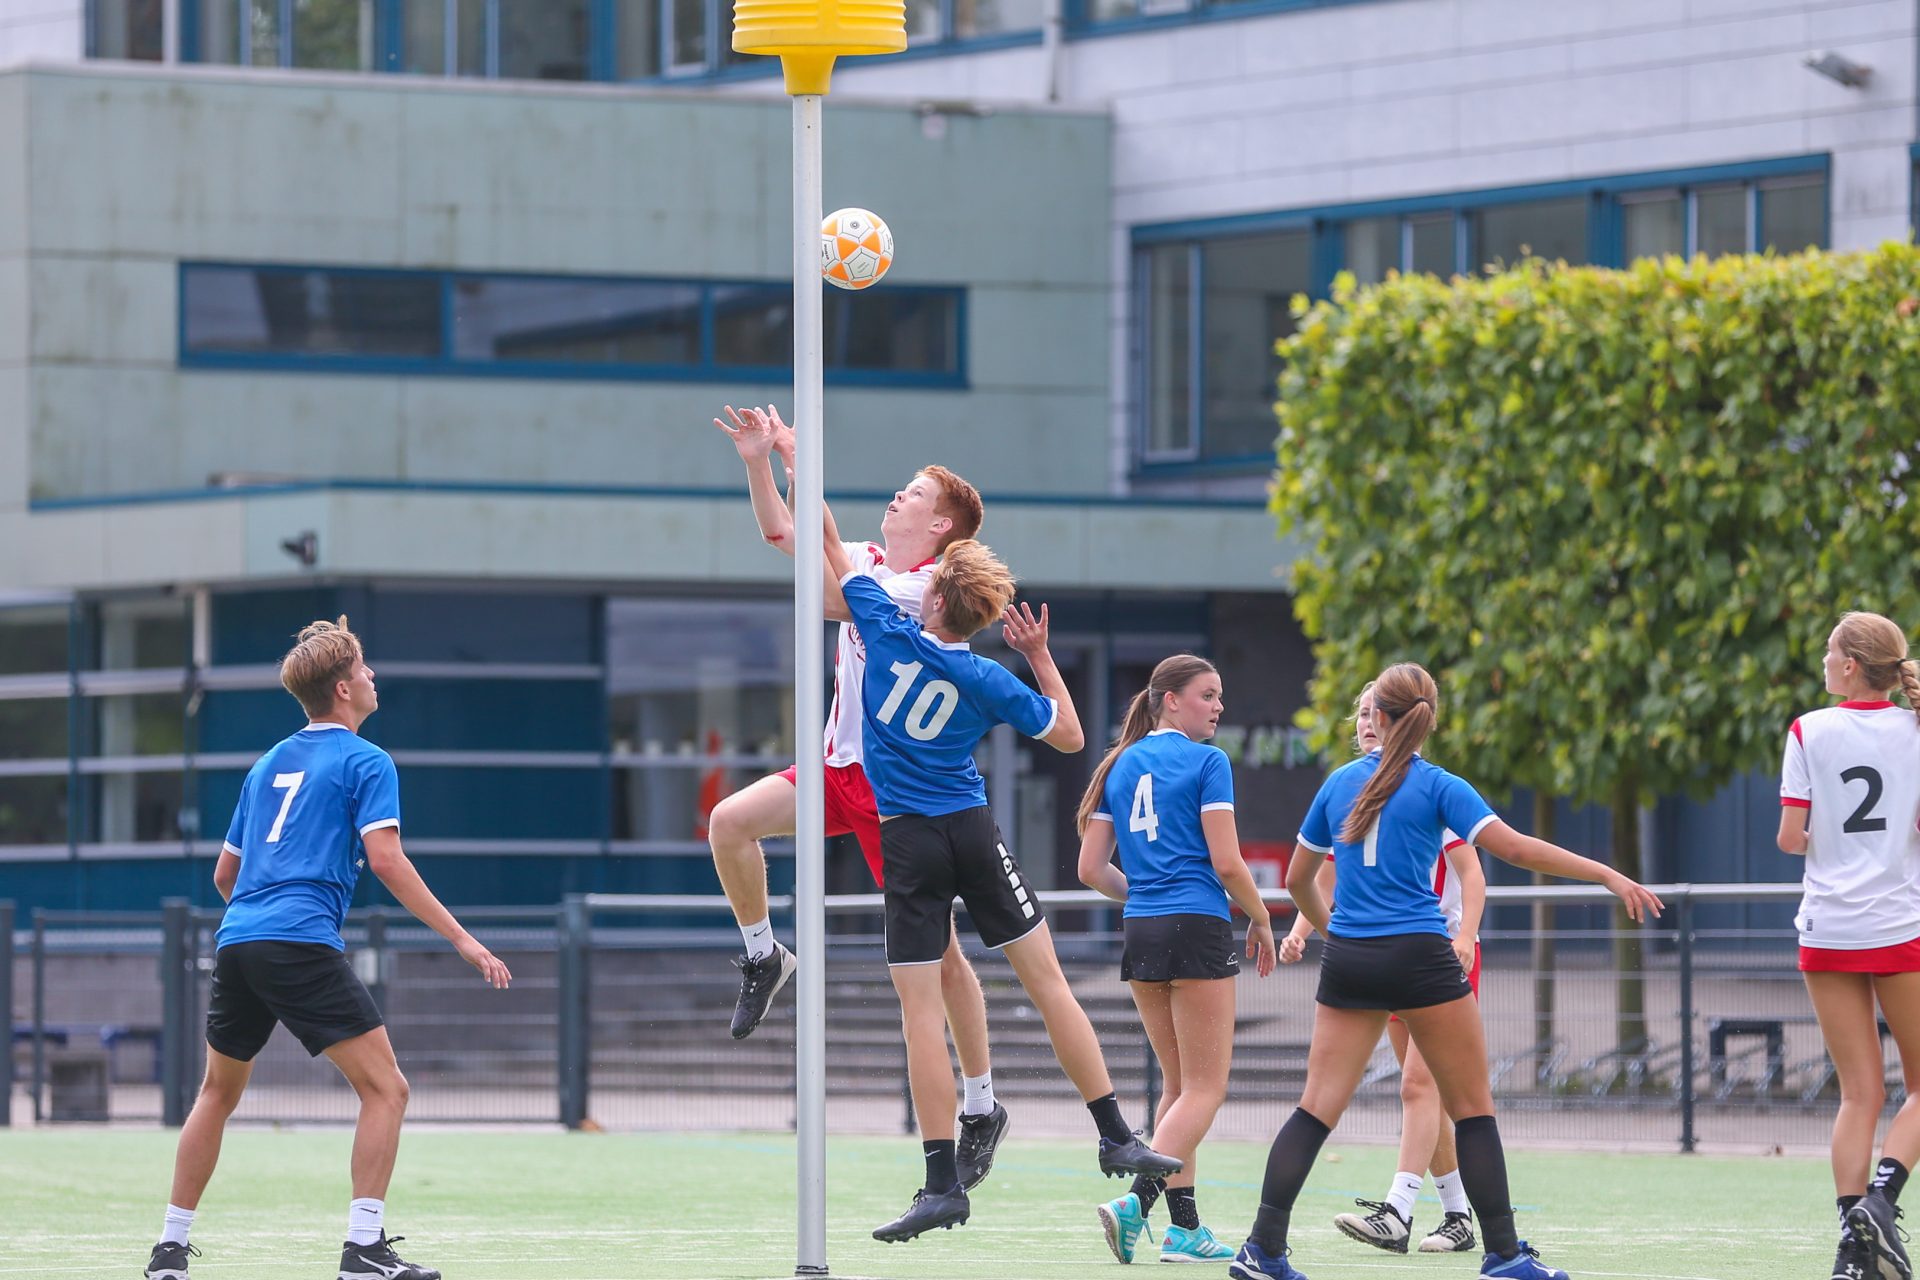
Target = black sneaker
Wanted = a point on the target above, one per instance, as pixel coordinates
(169, 1261)
(760, 982)
(1875, 1223)
(1117, 1159)
(929, 1210)
(378, 1261)
(979, 1139)
(1852, 1260)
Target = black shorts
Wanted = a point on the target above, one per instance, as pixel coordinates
(931, 861)
(1168, 948)
(1400, 971)
(307, 985)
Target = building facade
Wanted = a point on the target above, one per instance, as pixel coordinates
(318, 306)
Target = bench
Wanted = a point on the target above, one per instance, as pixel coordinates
(1771, 1030)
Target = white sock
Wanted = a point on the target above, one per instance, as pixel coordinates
(1453, 1192)
(979, 1099)
(1406, 1189)
(179, 1222)
(759, 939)
(363, 1221)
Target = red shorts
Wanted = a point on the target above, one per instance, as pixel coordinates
(850, 809)
(1882, 962)
(1473, 980)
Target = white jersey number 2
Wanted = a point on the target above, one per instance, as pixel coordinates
(290, 782)
(930, 711)
(1142, 817)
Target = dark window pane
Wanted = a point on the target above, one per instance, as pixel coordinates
(905, 331)
(1169, 325)
(923, 20)
(333, 35)
(1431, 242)
(219, 36)
(543, 39)
(141, 724)
(1654, 227)
(1248, 287)
(1720, 221)
(33, 641)
(1552, 229)
(257, 311)
(579, 321)
(637, 38)
(33, 729)
(687, 42)
(1793, 216)
(263, 33)
(33, 811)
(127, 29)
(988, 17)
(134, 635)
(1373, 248)
(753, 324)
(424, 35)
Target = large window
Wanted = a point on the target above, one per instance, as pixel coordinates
(326, 35)
(556, 326)
(126, 29)
(1210, 302)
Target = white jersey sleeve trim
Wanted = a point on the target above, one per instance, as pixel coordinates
(1473, 836)
(383, 822)
(1052, 720)
(1099, 817)
(1217, 804)
(232, 849)
(850, 575)
(1305, 843)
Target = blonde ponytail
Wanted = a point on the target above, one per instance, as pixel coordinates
(1407, 698)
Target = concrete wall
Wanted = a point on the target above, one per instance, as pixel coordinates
(131, 170)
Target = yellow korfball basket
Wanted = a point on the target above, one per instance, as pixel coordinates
(807, 35)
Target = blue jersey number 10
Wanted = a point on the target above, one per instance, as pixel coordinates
(930, 711)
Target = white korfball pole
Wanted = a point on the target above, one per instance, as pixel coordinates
(809, 703)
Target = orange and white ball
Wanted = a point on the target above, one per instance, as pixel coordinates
(856, 248)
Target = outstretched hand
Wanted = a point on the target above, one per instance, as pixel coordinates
(756, 434)
(1023, 632)
(490, 966)
(1641, 902)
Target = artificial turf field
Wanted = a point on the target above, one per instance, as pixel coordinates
(514, 1205)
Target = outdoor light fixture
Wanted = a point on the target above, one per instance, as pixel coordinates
(1838, 68)
(305, 548)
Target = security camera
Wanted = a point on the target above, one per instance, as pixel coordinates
(305, 548)
(1838, 68)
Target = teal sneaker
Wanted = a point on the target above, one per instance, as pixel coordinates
(1197, 1245)
(1123, 1222)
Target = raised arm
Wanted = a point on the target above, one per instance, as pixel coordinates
(757, 436)
(389, 861)
(1028, 635)
(1508, 845)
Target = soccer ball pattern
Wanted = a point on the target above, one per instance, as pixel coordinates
(855, 248)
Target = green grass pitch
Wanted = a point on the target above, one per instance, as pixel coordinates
(513, 1204)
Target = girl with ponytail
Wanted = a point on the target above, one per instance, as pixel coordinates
(1849, 796)
(1164, 797)
(1388, 951)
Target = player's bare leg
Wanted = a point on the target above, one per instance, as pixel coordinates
(195, 1158)
(734, 831)
(1078, 1050)
(368, 1063)
(941, 1201)
(1872, 1221)
(1123, 1220)
(966, 1009)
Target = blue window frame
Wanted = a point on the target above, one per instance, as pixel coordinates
(1117, 17)
(1210, 298)
(356, 320)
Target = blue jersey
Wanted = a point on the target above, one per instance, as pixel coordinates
(297, 832)
(1385, 884)
(926, 704)
(1160, 786)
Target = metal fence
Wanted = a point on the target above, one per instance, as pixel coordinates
(619, 1008)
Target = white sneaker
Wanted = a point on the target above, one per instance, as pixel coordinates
(1453, 1235)
(1383, 1228)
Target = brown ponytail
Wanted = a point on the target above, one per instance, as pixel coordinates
(1171, 676)
(1880, 647)
(1405, 696)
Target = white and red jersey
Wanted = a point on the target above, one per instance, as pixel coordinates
(1855, 768)
(843, 741)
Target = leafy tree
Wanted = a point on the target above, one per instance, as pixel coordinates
(1614, 512)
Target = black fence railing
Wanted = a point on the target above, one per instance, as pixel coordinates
(619, 1008)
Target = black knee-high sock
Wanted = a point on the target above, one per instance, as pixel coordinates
(1148, 1189)
(1483, 1172)
(942, 1175)
(1889, 1179)
(1289, 1160)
